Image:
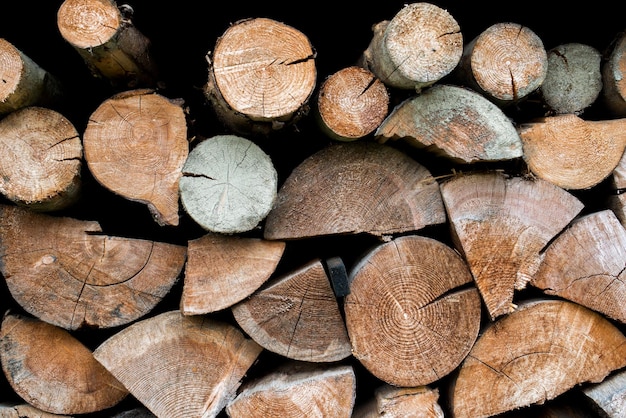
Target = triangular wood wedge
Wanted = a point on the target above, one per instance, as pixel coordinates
(179, 366)
(412, 313)
(585, 264)
(297, 316)
(455, 123)
(571, 152)
(221, 270)
(52, 370)
(66, 272)
(135, 145)
(609, 396)
(355, 187)
(535, 354)
(298, 390)
(396, 402)
(501, 224)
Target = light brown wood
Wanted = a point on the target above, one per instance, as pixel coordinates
(112, 48)
(135, 145)
(400, 402)
(24, 410)
(229, 184)
(351, 104)
(410, 314)
(66, 272)
(52, 370)
(571, 152)
(222, 270)
(421, 44)
(506, 63)
(574, 78)
(614, 82)
(355, 187)
(454, 123)
(297, 316)
(618, 177)
(609, 396)
(179, 366)
(24, 82)
(41, 158)
(535, 354)
(501, 224)
(262, 75)
(296, 390)
(585, 264)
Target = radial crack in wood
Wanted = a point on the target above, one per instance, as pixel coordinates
(179, 366)
(41, 158)
(262, 75)
(420, 45)
(533, 355)
(297, 316)
(355, 187)
(412, 313)
(586, 264)
(139, 135)
(66, 272)
(501, 224)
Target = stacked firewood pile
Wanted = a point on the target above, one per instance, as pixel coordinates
(297, 212)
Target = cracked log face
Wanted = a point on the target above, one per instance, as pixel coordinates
(585, 264)
(533, 355)
(65, 272)
(139, 135)
(262, 75)
(355, 187)
(501, 224)
(412, 313)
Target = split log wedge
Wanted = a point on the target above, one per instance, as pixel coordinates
(24, 82)
(262, 75)
(533, 355)
(613, 77)
(609, 396)
(179, 366)
(355, 187)
(420, 45)
(618, 179)
(571, 152)
(501, 224)
(586, 264)
(413, 312)
(135, 146)
(506, 63)
(574, 78)
(222, 270)
(229, 184)
(66, 272)
(296, 316)
(41, 158)
(298, 390)
(52, 370)
(351, 104)
(455, 123)
(105, 37)
(396, 402)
